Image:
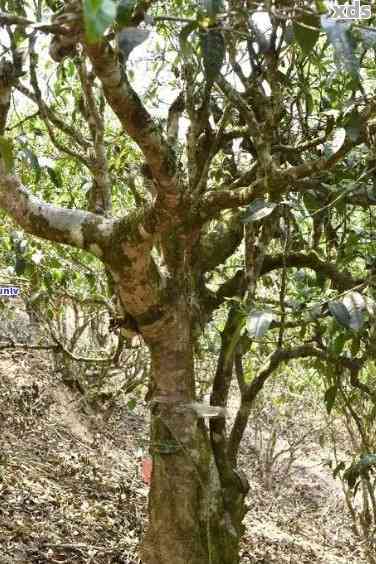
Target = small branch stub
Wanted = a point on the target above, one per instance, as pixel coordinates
(202, 410)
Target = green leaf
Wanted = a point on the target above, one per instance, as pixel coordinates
(98, 16)
(350, 312)
(321, 7)
(339, 343)
(309, 102)
(212, 7)
(258, 323)
(307, 31)
(330, 398)
(132, 404)
(124, 12)
(340, 313)
(7, 154)
(92, 280)
(213, 53)
(55, 177)
(55, 5)
(258, 210)
(353, 126)
(312, 201)
(20, 265)
(57, 274)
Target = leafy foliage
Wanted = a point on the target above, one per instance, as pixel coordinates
(124, 12)
(99, 15)
(307, 31)
(269, 152)
(211, 7)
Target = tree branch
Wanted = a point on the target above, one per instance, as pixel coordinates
(101, 192)
(219, 397)
(257, 130)
(47, 113)
(77, 228)
(280, 179)
(341, 280)
(135, 119)
(250, 392)
(219, 242)
(9, 75)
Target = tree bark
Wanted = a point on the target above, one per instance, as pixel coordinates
(188, 523)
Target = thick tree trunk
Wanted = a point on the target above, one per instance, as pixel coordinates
(188, 523)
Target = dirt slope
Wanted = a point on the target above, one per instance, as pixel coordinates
(71, 491)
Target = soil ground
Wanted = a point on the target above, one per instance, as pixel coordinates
(71, 489)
